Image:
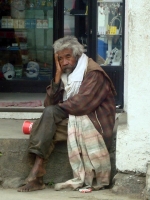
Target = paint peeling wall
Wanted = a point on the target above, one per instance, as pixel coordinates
(133, 139)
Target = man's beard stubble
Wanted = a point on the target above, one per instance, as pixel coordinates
(68, 69)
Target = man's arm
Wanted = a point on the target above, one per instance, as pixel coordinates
(58, 70)
(54, 95)
(92, 92)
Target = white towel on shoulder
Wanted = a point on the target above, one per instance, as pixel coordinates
(73, 81)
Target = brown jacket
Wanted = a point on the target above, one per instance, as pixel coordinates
(95, 99)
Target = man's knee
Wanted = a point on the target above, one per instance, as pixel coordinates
(55, 112)
(49, 111)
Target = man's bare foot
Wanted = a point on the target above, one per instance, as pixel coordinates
(33, 185)
(34, 174)
(38, 170)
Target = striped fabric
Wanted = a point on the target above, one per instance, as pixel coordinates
(88, 155)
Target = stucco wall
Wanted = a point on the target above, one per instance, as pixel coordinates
(133, 139)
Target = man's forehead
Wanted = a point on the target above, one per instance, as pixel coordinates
(64, 52)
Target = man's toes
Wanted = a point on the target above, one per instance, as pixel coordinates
(23, 189)
(32, 186)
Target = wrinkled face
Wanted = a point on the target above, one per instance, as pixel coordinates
(67, 61)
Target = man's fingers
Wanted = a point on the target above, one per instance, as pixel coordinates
(56, 59)
(56, 56)
(57, 62)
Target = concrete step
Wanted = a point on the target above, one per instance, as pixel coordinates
(12, 112)
(16, 163)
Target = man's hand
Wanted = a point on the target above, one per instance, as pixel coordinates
(58, 69)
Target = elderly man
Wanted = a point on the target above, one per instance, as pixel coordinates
(82, 93)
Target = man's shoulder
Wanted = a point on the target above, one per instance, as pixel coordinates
(92, 66)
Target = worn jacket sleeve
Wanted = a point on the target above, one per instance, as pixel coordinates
(54, 86)
(92, 92)
(52, 94)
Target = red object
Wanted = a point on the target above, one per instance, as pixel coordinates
(26, 127)
(85, 190)
(1, 75)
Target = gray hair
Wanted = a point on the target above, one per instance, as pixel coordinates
(69, 42)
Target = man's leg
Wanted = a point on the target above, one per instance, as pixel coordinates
(36, 183)
(41, 137)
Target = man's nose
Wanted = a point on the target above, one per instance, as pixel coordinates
(65, 62)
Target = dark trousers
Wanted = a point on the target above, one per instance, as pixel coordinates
(50, 128)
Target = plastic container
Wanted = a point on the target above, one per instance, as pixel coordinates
(26, 127)
(102, 47)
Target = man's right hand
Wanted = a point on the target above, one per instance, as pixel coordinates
(58, 69)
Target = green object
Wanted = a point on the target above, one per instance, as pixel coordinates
(51, 183)
(18, 73)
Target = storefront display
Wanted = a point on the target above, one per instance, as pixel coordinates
(110, 31)
(76, 20)
(29, 28)
(26, 38)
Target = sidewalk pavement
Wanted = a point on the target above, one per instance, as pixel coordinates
(51, 194)
(11, 129)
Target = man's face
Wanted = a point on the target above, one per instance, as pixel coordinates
(66, 60)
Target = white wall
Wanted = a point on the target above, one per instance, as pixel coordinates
(133, 139)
